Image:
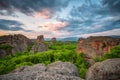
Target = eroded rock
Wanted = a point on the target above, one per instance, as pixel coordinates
(40, 45)
(40, 39)
(106, 70)
(55, 71)
(18, 42)
(53, 40)
(65, 68)
(96, 46)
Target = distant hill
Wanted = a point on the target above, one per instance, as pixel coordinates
(70, 39)
(115, 36)
(74, 38)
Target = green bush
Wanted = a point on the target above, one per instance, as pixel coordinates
(60, 51)
(5, 46)
(24, 64)
(82, 72)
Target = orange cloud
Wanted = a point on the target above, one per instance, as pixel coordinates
(45, 13)
(54, 26)
(2, 32)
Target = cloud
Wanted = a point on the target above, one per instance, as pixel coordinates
(45, 13)
(91, 17)
(3, 32)
(29, 7)
(11, 25)
(53, 26)
(60, 17)
(104, 33)
(113, 5)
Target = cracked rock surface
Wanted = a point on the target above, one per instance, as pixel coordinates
(55, 71)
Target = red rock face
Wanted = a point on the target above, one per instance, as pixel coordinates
(96, 46)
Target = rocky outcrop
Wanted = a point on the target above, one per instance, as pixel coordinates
(39, 48)
(106, 70)
(40, 39)
(55, 71)
(40, 45)
(18, 42)
(53, 40)
(96, 46)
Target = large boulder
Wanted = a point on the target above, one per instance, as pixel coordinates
(65, 68)
(54, 71)
(18, 42)
(39, 45)
(106, 70)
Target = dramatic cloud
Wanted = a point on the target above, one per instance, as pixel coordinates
(53, 26)
(30, 7)
(10, 25)
(60, 18)
(113, 5)
(93, 16)
(45, 13)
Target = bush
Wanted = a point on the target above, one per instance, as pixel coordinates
(82, 72)
(23, 64)
(5, 46)
(60, 51)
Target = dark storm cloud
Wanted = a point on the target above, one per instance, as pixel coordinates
(30, 6)
(11, 25)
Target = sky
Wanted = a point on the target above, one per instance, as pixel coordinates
(60, 18)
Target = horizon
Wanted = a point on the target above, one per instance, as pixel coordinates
(60, 19)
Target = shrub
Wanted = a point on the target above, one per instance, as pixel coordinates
(60, 51)
(23, 64)
(5, 46)
(82, 72)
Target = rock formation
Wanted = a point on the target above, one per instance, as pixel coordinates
(40, 39)
(106, 70)
(96, 46)
(18, 42)
(55, 71)
(53, 40)
(40, 45)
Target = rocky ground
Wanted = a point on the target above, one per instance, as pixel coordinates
(106, 70)
(55, 71)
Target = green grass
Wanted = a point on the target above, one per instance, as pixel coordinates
(59, 51)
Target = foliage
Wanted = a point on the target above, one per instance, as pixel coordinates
(5, 46)
(114, 53)
(24, 64)
(59, 51)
